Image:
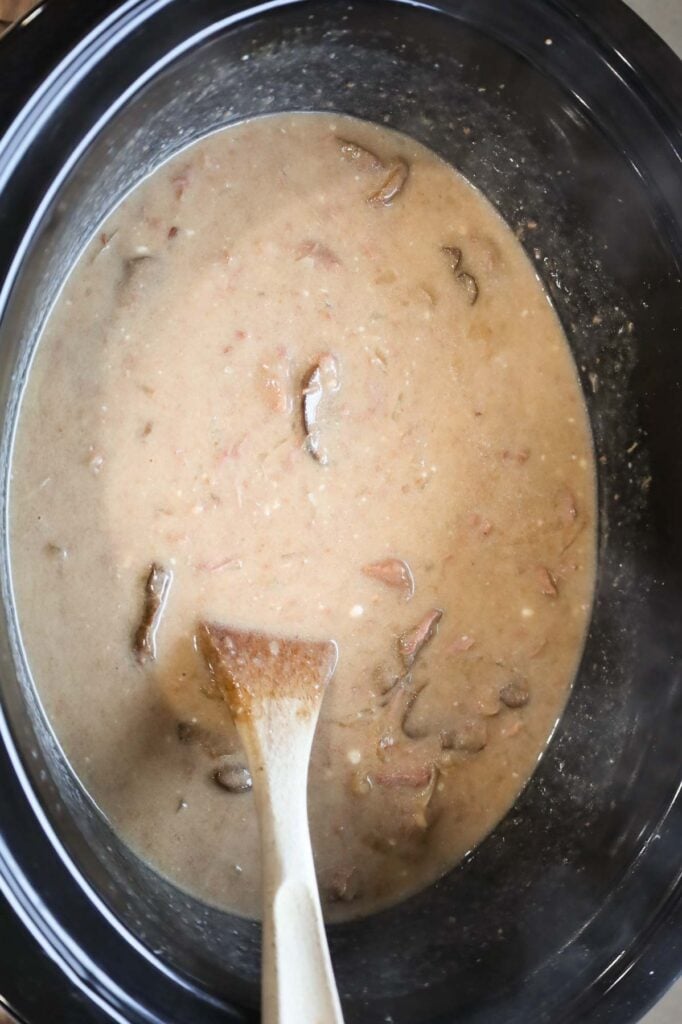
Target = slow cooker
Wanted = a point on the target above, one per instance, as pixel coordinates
(566, 114)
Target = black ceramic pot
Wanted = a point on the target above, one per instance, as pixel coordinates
(566, 113)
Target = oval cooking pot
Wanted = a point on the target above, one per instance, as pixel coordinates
(566, 114)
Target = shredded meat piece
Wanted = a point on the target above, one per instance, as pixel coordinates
(319, 253)
(394, 572)
(461, 644)
(412, 642)
(409, 786)
(156, 590)
(180, 181)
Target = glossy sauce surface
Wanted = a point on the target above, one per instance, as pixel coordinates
(308, 374)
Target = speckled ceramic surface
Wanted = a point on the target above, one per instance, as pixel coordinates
(666, 17)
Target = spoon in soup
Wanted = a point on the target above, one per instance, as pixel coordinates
(274, 688)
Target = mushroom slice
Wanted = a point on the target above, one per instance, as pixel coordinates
(320, 381)
(515, 694)
(392, 186)
(156, 590)
(235, 778)
(319, 253)
(394, 572)
(468, 283)
(454, 256)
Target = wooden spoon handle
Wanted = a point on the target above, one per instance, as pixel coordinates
(298, 984)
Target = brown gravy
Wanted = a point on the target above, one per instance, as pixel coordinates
(308, 372)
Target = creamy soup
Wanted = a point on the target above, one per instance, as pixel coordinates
(305, 380)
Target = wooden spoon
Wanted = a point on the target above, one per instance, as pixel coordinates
(274, 687)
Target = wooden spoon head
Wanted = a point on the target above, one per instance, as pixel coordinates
(254, 670)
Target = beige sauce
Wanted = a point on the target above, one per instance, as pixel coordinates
(162, 423)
